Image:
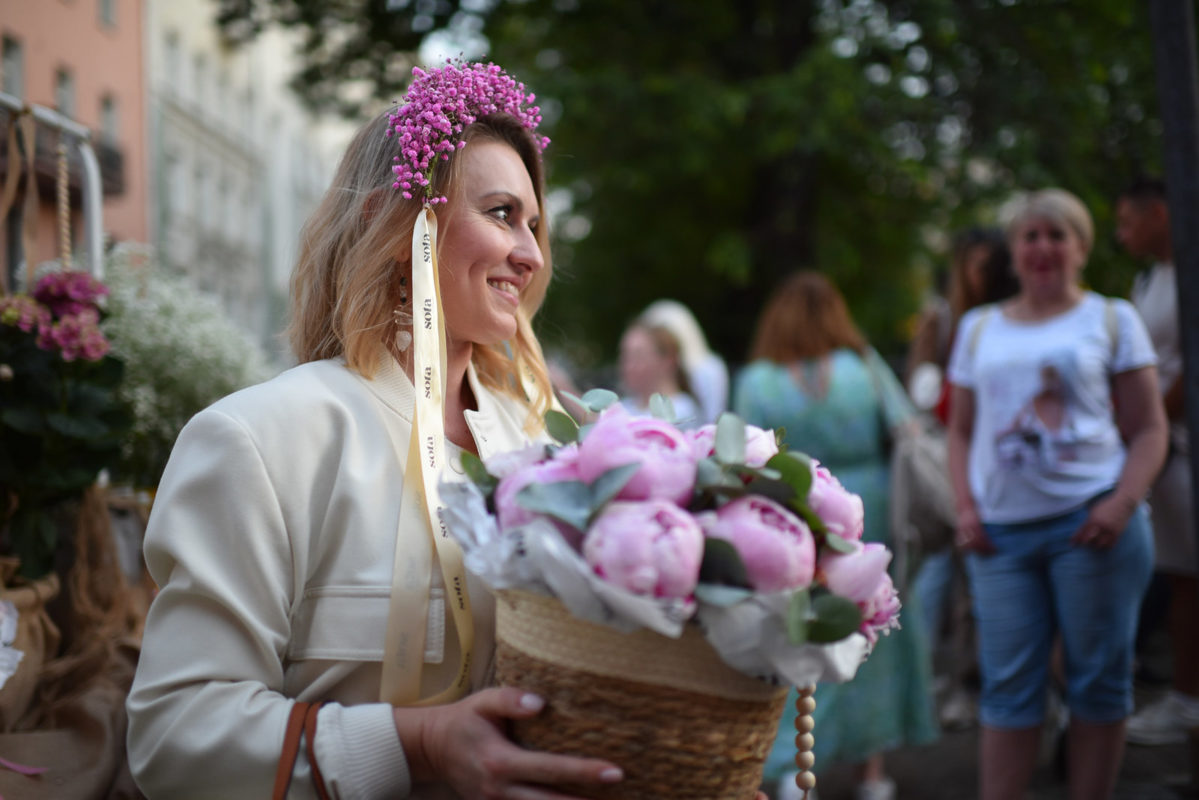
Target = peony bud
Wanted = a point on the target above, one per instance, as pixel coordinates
(776, 546)
(840, 510)
(664, 453)
(651, 547)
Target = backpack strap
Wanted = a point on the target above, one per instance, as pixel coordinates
(1111, 324)
(301, 721)
(985, 313)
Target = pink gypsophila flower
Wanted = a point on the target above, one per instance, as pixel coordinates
(438, 107)
(651, 548)
(760, 444)
(76, 336)
(776, 546)
(841, 510)
(68, 293)
(667, 461)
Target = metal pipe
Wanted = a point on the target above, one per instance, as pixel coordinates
(93, 199)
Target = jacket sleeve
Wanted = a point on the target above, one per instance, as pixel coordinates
(206, 711)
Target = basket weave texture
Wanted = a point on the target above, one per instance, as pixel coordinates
(677, 719)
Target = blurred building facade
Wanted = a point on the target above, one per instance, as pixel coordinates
(237, 163)
(83, 58)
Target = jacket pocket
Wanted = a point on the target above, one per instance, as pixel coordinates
(344, 623)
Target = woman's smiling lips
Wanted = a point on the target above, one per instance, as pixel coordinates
(509, 289)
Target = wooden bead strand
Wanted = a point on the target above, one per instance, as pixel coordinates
(64, 205)
(805, 704)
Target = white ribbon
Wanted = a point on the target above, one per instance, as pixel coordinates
(421, 528)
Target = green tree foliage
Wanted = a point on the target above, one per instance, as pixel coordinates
(707, 148)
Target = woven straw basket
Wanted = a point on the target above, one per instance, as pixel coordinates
(677, 719)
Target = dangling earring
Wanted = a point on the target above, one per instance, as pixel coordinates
(403, 318)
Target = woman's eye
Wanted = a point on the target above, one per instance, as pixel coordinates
(502, 213)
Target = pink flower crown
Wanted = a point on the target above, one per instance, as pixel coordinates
(438, 106)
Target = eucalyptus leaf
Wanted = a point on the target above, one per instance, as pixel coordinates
(833, 619)
(838, 543)
(609, 484)
(730, 439)
(798, 615)
(707, 473)
(774, 489)
(722, 564)
(815, 523)
(661, 408)
(795, 469)
(568, 501)
(561, 426)
(598, 399)
(472, 465)
(721, 596)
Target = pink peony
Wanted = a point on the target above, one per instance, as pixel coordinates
(665, 454)
(861, 576)
(760, 445)
(651, 547)
(777, 547)
(509, 512)
(841, 510)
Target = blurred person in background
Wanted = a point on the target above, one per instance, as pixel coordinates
(1143, 228)
(707, 374)
(1050, 516)
(651, 363)
(814, 376)
(980, 272)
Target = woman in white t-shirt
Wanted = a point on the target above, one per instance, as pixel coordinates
(1056, 433)
(650, 364)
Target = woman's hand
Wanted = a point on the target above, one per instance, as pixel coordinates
(1107, 520)
(970, 536)
(463, 744)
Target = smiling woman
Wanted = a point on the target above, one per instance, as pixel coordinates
(1056, 431)
(304, 598)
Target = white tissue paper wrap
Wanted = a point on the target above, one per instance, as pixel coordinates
(749, 635)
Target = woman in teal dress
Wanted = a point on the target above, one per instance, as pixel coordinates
(814, 376)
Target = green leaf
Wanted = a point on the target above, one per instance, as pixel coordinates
(721, 596)
(75, 427)
(730, 439)
(838, 544)
(809, 516)
(609, 484)
(561, 426)
(472, 465)
(598, 399)
(25, 420)
(796, 470)
(568, 501)
(833, 619)
(661, 408)
(722, 564)
(798, 615)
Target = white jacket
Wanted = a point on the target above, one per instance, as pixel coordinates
(272, 539)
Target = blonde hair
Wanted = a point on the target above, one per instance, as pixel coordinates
(678, 319)
(1056, 205)
(347, 279)
(806, 318)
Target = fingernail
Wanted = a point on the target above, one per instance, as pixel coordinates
(532, 702)
(611, 775)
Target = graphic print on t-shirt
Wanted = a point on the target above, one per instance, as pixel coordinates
(1043, 434)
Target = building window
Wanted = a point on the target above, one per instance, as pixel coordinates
(109, 123)
(172, 59)
(108, 13)
(14, 68)
(64, 92)
(200, 89)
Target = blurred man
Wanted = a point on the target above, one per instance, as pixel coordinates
(1143, 228)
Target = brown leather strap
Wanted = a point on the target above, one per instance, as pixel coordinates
(291, 748)
(310, 737)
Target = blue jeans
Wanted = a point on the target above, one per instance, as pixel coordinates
(1036, 585)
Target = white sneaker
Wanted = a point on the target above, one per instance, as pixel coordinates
(1164, 722)
(883, 789)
